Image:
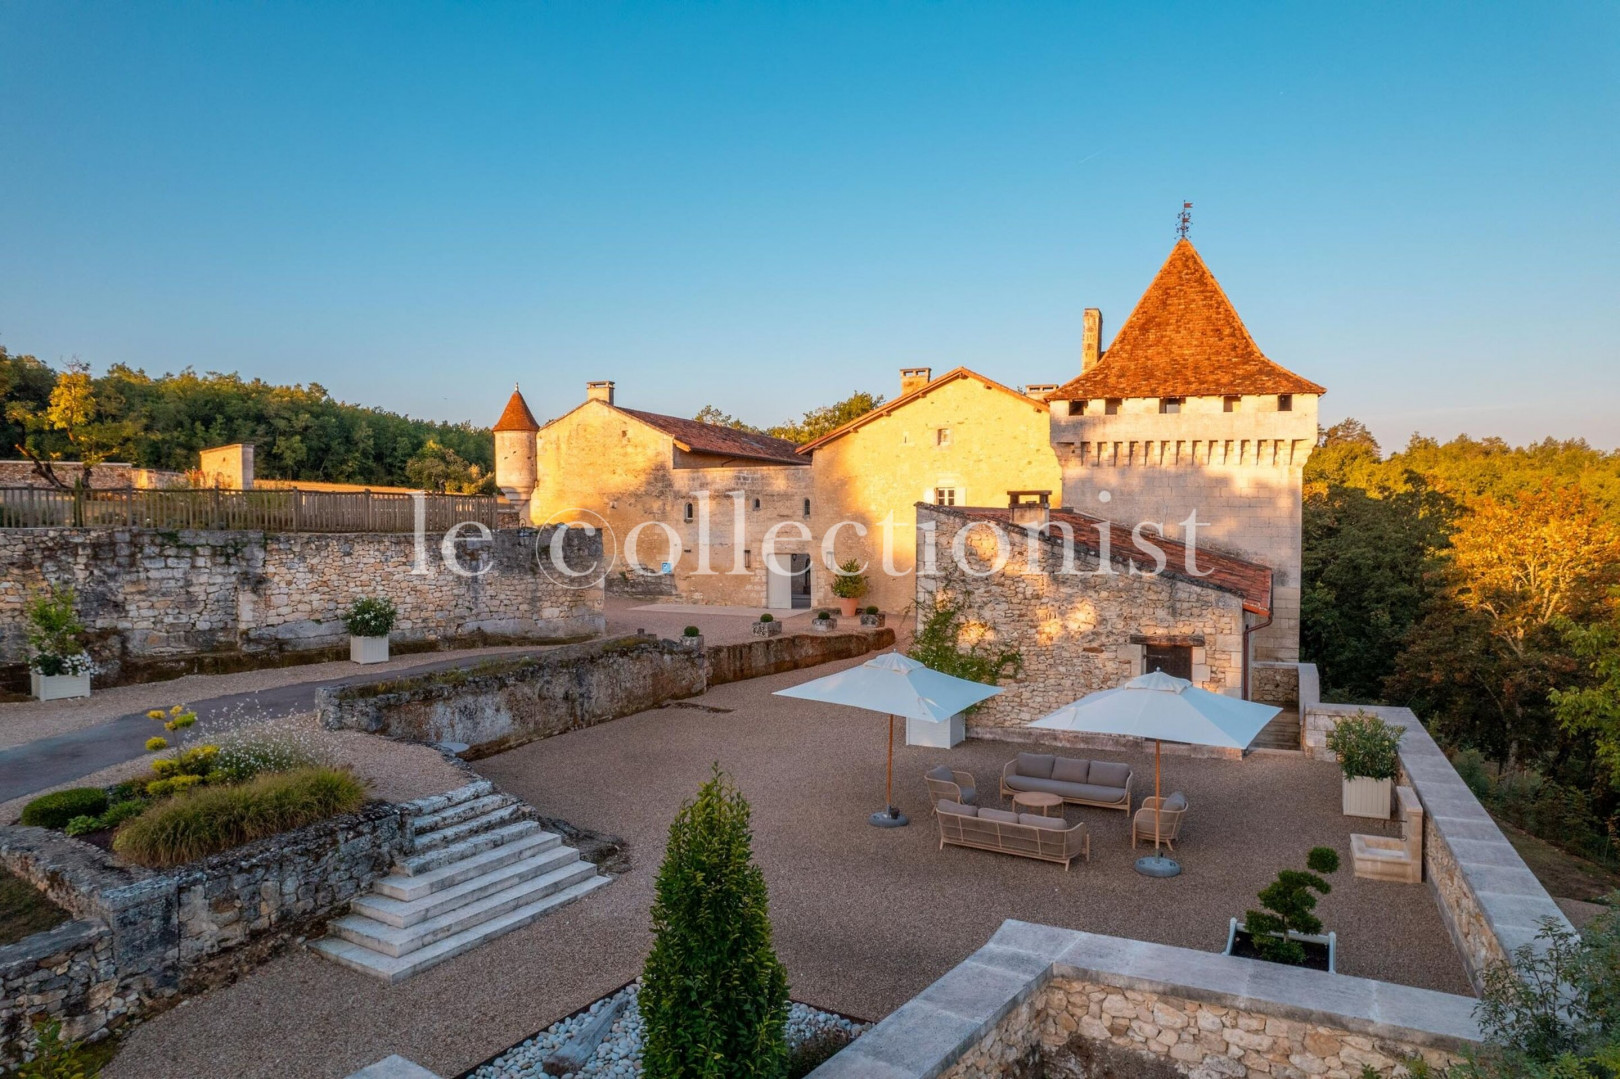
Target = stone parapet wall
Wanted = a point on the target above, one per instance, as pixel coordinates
(1274, 683)
(1491, 902)
(66, 973)
(776, 655)
(147, 593)
(1042, 1000)
(107, 476)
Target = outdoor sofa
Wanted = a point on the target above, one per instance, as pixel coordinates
(1080, 782)
(1028, 835)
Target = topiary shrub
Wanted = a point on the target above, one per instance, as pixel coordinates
(1288, 904)
(767, 617)
(714, 995)
(55, 810)
(691, 631)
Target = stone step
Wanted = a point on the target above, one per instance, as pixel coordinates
(417, 864)
(405, 888)
(402, 914)
(435, 803)
(473, 807)
(398, 968)
(451, 833)
(394, 941)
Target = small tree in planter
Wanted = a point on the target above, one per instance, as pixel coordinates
(1282, 931)
(714, 995)
(824, 622)
(692, 637)
(1368, 750)
(767, 626)
(58, 665)
(368, 622)
(849, 585)
(871, 616)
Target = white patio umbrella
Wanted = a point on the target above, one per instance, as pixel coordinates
(899, 686)
(1166, 709)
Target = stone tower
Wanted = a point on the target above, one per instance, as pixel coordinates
(515, 451)
(1184, 414)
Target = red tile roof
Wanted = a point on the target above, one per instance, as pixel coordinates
(697, 437)
(1225, 573)
(517, 416)
(899, 402)
(1184, 339)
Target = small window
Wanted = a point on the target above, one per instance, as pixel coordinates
(944, 496)
(1285, 402)
(748, 559)
(1077, 408)
(1169, 405)
(1230, 403)
(942, 437)
(756, 503)
(1111, 406)
(807, 507)
(690, 513)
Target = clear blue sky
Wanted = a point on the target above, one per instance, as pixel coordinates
(766, 206)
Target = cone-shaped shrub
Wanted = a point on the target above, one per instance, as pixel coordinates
(713, 995)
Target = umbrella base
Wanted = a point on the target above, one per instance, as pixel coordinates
(888, 818)
(1157, 865)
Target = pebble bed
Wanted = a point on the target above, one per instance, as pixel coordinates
(618, 1056)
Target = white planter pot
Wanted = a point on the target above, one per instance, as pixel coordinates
(923, 732)
(59, 687)
(1364, 797)
(368, 649)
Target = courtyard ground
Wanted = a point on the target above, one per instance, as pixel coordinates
(864, 918)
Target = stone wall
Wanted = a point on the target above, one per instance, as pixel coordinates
(107, 476)
(146, 593)
(1274, 683)
(1042, 1000)
(144, 936)
(1074, 630)
(774, 655)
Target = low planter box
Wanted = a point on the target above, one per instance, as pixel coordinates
(1320, 948)
(368, 649)
(1365, 797)
(767, 629)
(59, 687)
(823, 625)
(874, 620)
(694, 643)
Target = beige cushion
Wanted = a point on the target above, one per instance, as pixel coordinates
(1035, 820)
(1035, 765)
(1107, 774)
(1000, 815)
(1070, 769)
(956, 809)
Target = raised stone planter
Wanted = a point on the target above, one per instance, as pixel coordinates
(874, 620)
(823, 625)
(1367, 797)
(368, 649)
(767, 629)
(695, 643)
(59, 687)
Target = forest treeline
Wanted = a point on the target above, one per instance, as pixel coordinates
(1479, 584)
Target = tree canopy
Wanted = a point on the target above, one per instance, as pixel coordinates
(807, 428)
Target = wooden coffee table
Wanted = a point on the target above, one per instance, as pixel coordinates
(1037, 800)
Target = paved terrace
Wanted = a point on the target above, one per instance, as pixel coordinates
(864, 918)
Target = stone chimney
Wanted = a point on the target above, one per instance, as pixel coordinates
(599, 391)
(1030, 509)
(1040, 390)
(1091, 340)
(914, 378)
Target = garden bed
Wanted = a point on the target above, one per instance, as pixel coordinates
(24, 910)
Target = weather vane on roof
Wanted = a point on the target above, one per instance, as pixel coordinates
(1184, 220)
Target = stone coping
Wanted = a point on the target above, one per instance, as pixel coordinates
(1508, 895)
(929, 1033)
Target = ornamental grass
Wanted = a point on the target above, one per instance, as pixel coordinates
(204, 821)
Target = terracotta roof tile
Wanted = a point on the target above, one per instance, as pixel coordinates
(1226, 573)
(701, 437)
(1184, 339)
(517, 416)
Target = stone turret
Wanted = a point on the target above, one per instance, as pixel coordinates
(515, 451)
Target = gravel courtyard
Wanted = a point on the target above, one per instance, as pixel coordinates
(864, 918)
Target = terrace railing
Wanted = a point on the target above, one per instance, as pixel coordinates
(260, 511)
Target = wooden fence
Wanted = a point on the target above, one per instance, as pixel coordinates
(259, 511)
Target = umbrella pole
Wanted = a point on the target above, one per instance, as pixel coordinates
(1158, 802)
(888, 816)
(1158, 865)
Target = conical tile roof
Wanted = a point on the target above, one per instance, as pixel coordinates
(517, 416)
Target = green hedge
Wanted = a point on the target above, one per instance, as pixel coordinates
(55, 810)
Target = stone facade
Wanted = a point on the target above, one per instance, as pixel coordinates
(107, 476)
(147, 593)
(143, 937)
(1078, 632)
(960, 437)
(1274, 683)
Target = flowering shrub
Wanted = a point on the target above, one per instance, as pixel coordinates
(56, 636)
(252, 748)
(370, 617)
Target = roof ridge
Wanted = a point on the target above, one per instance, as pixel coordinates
(954, 374)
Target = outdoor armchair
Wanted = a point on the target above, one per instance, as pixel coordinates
(1171, 810)
(946, 785)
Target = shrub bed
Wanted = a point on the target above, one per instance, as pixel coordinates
(56, 809)
(195, 824)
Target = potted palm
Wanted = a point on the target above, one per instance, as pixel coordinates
(1286, 930)
(58, 665)
(849, 585)
(767, 626)
(368, 622)
(1368, 750)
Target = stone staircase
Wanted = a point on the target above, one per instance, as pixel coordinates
(477, 868)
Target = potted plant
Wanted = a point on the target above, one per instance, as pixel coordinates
(849, 585)
(1286, 930)
(368, 622)
(767, 626)
(1368, 752)
(58, 665)
(692, 637)
(872, 617)
(824, 622)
